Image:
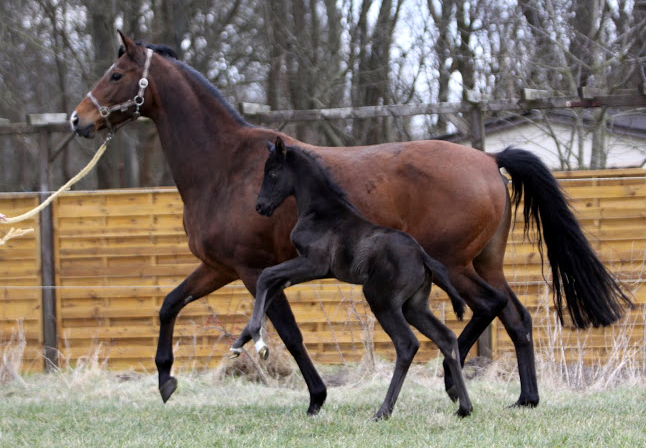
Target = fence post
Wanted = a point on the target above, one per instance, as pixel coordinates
(485, 347)
(50, 336)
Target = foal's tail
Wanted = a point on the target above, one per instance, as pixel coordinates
(441, 278)
(592, 295)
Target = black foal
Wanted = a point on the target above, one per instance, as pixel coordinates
(334, 240)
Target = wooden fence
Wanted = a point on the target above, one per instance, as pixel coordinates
(118, 253)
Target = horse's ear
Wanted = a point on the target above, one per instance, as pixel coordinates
(129, 46)
(270, 146)
(280, 146)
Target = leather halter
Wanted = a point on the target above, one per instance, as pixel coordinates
(137, 101)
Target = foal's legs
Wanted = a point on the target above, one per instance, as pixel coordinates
(418, 314)
(270, 283)
(281, 316)
(387, 310)
(199, 283)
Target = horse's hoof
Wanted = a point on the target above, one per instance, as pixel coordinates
(463, 412)
(317, 399)
(525, 403)
(380, 416)
(264, 353)
(235, 352)
(167, 389)
(452, 393)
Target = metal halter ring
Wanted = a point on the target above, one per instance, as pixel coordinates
(137, 101)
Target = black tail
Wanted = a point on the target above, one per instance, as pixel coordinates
(593, 297)
(441, 279)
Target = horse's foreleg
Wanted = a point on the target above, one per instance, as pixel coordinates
(199, 283)
(279, 312)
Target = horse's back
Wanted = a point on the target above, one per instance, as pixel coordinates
(449, 197)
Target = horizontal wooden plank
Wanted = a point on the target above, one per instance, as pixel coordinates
(120, 252)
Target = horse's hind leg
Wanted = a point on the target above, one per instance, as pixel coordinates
(390, 317)
(418, 314)
(518, 323)
(514, 316)
(485, 302)
(199, 283)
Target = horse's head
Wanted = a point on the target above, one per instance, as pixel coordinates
(277, 182)
(120, 94)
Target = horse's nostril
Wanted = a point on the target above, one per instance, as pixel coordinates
(258, 208)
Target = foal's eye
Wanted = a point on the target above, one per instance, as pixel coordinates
(273, 175)
(116, 76)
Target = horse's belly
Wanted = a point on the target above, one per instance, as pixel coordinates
(451, 199)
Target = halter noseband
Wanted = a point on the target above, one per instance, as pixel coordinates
(137, 101)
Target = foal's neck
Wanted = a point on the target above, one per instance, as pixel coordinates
(314, 189)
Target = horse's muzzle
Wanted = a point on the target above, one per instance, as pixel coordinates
(84, 131)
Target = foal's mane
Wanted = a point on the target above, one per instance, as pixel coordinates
(170, 54)
(319, 164)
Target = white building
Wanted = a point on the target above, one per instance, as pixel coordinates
(553, 136)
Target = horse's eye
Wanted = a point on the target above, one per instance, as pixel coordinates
(116, 76)
(273, 175)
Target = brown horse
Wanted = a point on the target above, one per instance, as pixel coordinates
(451, 198)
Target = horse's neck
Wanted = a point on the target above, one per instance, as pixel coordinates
(195, 129)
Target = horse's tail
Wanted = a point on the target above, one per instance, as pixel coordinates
(592, 295)
(441, 278)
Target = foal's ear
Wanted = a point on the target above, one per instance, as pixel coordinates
(280, 146)
(270, 146)
(129, 46)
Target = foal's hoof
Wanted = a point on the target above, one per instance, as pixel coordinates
(264, 353)
(167, 389)
(235, 352)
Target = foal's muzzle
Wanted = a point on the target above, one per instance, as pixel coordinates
(263, 208)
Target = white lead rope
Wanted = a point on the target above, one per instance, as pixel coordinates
(13, 233)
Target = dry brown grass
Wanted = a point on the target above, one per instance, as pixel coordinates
(12, 353)
(623, 363)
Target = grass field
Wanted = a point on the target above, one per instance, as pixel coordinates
(90, 407)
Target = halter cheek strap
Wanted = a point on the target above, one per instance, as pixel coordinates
(137, 101)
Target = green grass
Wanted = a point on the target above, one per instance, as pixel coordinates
(99, 408)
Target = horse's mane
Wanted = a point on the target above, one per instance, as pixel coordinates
(169, 53)
(325, 173)
(163, 50)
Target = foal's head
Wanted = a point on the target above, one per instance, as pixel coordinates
(277, 183)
